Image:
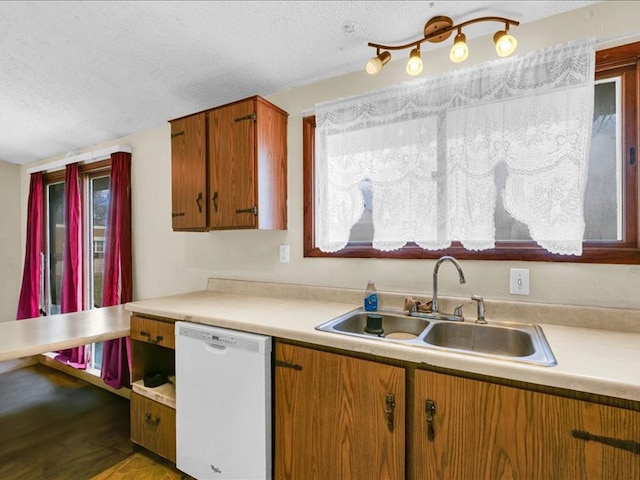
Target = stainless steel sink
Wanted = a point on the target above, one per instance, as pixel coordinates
(393, 325)
(518, 342)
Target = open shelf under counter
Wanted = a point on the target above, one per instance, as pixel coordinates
(164, 394)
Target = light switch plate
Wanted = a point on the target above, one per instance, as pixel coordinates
(519, 281)
(284, 254)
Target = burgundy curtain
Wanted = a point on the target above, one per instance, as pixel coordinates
(29, 302)
(117, 286)
(71, 289)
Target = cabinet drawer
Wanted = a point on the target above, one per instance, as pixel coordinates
(153, 331)
(153, 426)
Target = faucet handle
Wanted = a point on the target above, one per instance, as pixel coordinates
(480, 300)
(458, 310)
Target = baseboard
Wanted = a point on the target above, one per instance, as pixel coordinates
(82, 375)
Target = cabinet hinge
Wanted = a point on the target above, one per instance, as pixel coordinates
(251, 116)
(629, 445)
(295, 366)
(253, 210)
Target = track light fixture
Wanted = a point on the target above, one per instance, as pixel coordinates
(437, 30)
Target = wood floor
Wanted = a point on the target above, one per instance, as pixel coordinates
(53, 426)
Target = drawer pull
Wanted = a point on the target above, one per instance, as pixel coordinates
(155, 341)
(152, 423)
(628, 445)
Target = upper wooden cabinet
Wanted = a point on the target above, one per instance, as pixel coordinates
(229, 168)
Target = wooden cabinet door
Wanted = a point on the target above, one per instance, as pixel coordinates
(482, 430)
(232, 184)
(188, 173)
(331, 419)
(153, 426)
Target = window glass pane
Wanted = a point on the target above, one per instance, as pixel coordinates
(97, 355)
(603, 195)
(55, 216)
(99, 209)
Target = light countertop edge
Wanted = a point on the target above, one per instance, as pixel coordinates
(22, 338)
(590, 360)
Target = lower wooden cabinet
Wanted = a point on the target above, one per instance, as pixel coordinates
(472, 429)
(153, 415)
(337, 417)
(153, 426)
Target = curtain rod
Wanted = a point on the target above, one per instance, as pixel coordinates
(600, 44)
(88, 157)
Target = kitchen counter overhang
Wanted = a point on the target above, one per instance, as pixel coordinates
(22, 338)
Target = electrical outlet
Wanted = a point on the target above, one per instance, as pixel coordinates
(284, 254)
(519, 281)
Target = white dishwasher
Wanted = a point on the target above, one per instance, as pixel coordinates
(223, 403)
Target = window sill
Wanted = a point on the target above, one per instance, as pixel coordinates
(608, 253)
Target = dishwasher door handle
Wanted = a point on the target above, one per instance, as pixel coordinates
(215, 348)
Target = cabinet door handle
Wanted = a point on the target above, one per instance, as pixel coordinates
(215, 201)
(179, 214)
(389, 410)
(152, 423)
(430, 407)
(253, 210)
(628, 445)
(199, 202)
(177, 134)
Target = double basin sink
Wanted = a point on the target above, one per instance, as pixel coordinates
(511, 341)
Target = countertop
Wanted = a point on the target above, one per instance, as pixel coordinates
(590, 360)
(22, 338)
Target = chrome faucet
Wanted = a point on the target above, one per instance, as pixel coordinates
(434, 301)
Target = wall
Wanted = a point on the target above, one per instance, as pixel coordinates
(10, 258)
(168, 263)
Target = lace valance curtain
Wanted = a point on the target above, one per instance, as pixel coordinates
(430, 149)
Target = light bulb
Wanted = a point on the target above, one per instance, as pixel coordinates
(459, 51)
(414, 65)
(505, 43)
(375, 64)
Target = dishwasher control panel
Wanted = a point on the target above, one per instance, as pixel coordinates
(220, 337)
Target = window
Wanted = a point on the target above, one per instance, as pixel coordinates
(611, 198)
(94, 180)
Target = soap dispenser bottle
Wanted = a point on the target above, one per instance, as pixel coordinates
(370, 297)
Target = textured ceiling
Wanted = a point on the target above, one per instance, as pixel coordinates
(79, 73)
